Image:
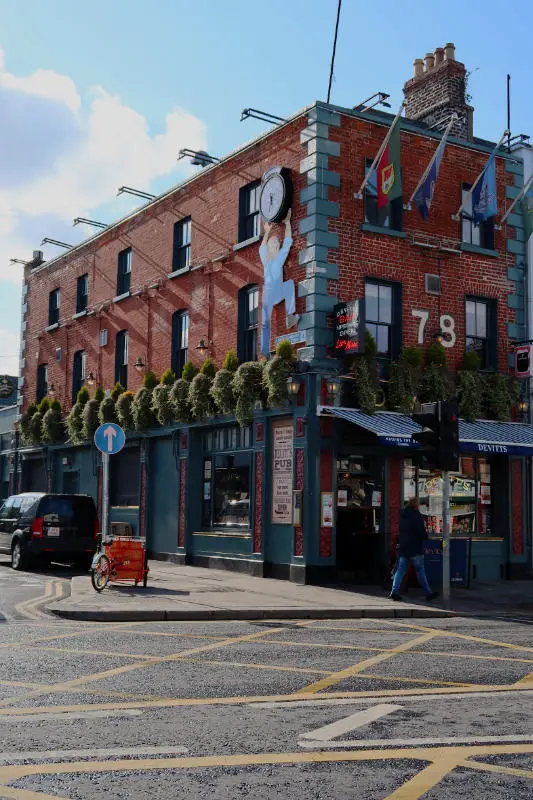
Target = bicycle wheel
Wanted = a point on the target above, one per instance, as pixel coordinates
(145, 573)
(101, 573)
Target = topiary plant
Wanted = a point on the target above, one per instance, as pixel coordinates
(24, 424)
(471, 361)
(53, 427)
(35, 428)
(90, 420)
(501, 394)
(150, 380)
(107, 411)
(141, 409)
(435, 384)
(364, 386)
(124, 410)
(200, 399)
(189, 371)
(43, 406)
(275, 374)
(168, 378)
(179, 398)
(469, 391)
(116, 391)
(436, 354)
(83, 396)
(75, 422)
(161, 404)
(412, 355)
(209, 368)
(231, 362)
(222, 391)
(247, 389)
(99, 394)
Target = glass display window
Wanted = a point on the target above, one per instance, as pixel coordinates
(360, 490)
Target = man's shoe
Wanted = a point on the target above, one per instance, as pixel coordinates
(395, 596)
(432, 596)
(291, 320)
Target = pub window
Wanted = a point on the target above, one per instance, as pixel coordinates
(249, 217)
(121, 358)
(82, 293)
(481, 333)
(248, 323)
(390, 216)
(227, 490)
(42, 382)
(481, 235)
(78, 372)
(181, 255)
(180, 341)
(124, 271)
(125, 478)
(383, 317)
(54, 302)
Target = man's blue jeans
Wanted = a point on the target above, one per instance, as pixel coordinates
(399, 575)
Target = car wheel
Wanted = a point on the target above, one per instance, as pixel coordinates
(18, 555)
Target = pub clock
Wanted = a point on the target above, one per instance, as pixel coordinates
(276, 194)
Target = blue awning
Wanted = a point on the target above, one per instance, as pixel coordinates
(482, 436)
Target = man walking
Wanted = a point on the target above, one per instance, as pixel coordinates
(411, 548)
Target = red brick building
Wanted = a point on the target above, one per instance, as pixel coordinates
(185, 269)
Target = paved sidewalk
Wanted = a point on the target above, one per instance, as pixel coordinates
(193, 593)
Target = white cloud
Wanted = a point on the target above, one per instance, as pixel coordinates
(42, 83)
(9, 349)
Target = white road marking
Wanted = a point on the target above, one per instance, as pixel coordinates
(61, 715)
(445, 740)
(347, 724)
(112, 752)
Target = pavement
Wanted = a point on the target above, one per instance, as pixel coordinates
(177, 593)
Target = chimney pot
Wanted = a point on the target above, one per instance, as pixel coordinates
(449, 51)
(429, 61)
(418, 66)
(439, 55)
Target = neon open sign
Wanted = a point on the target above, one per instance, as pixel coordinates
(347, 317)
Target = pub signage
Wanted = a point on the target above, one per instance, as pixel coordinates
(348, 318)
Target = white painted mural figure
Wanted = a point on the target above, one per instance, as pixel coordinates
(275, 289)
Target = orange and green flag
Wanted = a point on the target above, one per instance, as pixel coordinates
(527, 211)
(388, 173)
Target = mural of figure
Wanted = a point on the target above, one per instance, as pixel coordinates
(275, 289)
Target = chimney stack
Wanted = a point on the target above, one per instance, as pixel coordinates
(438, 89)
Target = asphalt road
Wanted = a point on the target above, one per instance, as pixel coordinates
(364, 709)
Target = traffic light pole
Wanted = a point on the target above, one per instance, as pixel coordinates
(446, 538)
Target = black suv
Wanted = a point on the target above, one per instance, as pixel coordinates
(36, 526)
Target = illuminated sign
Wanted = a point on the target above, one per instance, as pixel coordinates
(348, 318)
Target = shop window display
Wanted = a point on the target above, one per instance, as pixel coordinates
(360, 490)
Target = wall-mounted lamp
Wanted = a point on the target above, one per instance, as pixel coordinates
(523, 406)
(51, 391)
(333, 386)
(139, 364)
(438, 336)
(293, 386)
(90, 379)
(202, 347)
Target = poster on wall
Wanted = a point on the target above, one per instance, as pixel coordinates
(326, 504)
(282, 463)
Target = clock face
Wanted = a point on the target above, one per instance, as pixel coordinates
(272, 198)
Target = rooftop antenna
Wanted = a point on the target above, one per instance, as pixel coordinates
(46, 240)
(263, 116)
(334, 49)
(198, 157)
(136, 193)
(379, 98)
(84, 221)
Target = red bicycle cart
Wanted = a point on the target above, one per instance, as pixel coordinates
(120, 559)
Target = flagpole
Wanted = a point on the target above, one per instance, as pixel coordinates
(445, 135)
(457, 216)
(359, 194)
(517, 199)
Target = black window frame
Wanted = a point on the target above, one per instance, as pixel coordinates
(394, 326)
(42, 382)
(249, 215)
(124, 264)
(79, 366)
(121, 357)
(390, 216)
(482, 233)
(248, 324)
(181, 251)
(488, 347)
(82, 293)
(54, 305)
(125, 479)
(180, 353)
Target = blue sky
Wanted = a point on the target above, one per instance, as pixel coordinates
(99, 94)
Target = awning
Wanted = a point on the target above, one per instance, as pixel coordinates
(482, 436)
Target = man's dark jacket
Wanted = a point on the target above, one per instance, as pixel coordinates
(412, 532)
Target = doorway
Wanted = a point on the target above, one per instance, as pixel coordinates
(71, 482)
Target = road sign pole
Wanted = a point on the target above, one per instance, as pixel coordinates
(105, 495)
(446, 538)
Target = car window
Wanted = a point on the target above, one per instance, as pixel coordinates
(27, 504)
(15, 508)
(6, 508)
(53, 508)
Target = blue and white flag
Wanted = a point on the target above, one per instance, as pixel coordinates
(424, 194)
(484, 200)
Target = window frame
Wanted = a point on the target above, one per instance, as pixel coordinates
(490, 347)
(249, 219)
(395, 325)
(393, 220)
(123, 463)
(181, 251)
(41, 383)
(82, 293)
(248, 332)
(121, 357)
(79, 369)
(482, 233)
(54, 306)
(124, 263)
(180, 354)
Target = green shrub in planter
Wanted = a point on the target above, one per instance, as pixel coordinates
(75, 422)
(412, 355)
(501, 394)
(24, 424)
(116, 391)
(275, 374)
(168, 378)
(469, 392)
(83, 396)
(222, 391)
(247, 389)
(231, 362)
(143, 416)
(471, 361)
(107, 411)
(436, 354)
(150, 380)
(200, 399)
(43, 406)
(161, 404)
(124, 410)
(179, 398)
(90, 420)
(99, 394)
(189, 371)
(364, 386)
(435, 384)
(209, 368)
(53, 427)
(35, 428)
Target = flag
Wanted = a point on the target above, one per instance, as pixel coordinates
(424, 196)
(527, 211)
(388, 175)
(484, 201)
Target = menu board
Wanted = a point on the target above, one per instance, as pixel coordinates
(282, 461)
(348, 326)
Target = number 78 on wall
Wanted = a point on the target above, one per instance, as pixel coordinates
(446, 323)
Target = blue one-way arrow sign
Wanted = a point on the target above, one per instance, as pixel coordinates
(109, 438)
